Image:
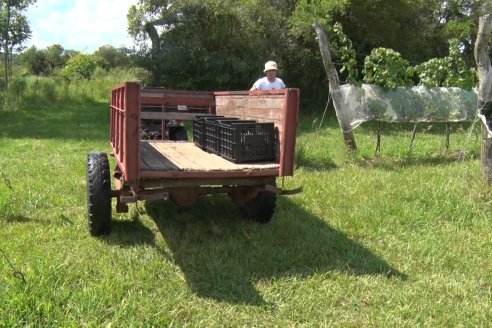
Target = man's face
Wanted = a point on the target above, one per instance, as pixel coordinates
(271, 74)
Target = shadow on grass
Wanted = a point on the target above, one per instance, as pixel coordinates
(434, 128)
(315, 165)
(17, 218)
(223, 256)
(89, 120)
(312, 164)
(129, 233)
(397, 163)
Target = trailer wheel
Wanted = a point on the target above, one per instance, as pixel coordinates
(98, 194)
(260, 209)
(178, 133)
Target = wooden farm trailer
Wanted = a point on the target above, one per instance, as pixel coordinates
(179, 170)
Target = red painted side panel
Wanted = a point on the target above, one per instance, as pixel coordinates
(278, 106)
(289, 132)
(168, 97)
(125, 130)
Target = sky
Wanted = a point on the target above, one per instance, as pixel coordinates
(82, 25)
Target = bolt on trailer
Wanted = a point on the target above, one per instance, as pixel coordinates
(243, 141)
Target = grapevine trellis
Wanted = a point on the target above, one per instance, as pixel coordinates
(389, 98)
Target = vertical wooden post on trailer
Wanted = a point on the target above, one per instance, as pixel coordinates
(348, 137)
(482, 58)
(163, 123)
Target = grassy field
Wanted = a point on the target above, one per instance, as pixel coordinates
(403, 239)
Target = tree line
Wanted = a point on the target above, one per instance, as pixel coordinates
(223, 44)
(54, 60)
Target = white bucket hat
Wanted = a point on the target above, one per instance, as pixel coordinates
(270, 65)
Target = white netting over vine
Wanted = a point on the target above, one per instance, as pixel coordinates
(357, 104)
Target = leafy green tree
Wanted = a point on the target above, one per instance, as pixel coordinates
(458, 19)
(210, 44)
(418, 29)
(223, 44)
(112, 57)
(34, 61)
(46, 61)
(55, 57)
(81, 66)
(14, 30)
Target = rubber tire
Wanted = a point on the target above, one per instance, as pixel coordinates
(178, 133)
(261, 208)
(98, 194)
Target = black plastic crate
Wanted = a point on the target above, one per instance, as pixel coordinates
(211, 136)
(245, 141)
(199, 129)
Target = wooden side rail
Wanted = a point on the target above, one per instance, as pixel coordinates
(169, 116)
(125, 130)
(174, 98)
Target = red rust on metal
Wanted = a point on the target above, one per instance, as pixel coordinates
(125, 129)
(289, 132)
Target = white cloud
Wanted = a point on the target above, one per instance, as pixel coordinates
(82, 25)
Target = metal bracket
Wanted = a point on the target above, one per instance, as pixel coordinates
(128, 196)
(284, 192)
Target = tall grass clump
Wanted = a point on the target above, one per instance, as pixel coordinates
(41, 90)
(99, 87)
(29, 92)
(4, 198)
(14, 97)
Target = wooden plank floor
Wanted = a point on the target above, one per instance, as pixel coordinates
(157, 155)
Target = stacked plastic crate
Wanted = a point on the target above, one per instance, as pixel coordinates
(239, 141)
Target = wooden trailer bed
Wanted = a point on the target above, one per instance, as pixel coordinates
(182, 159)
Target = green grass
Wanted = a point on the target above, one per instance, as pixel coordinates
(403, 239)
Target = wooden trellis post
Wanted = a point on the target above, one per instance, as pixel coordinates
(348, 137)
(482, 58)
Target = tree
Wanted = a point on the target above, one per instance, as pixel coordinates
(56, 57)
(46, 61)
(112, 57)
(210, 44)
(81, 66)
(458, 19)
(417, 29)
(222, 44)
(14, 30)
(34, 61)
